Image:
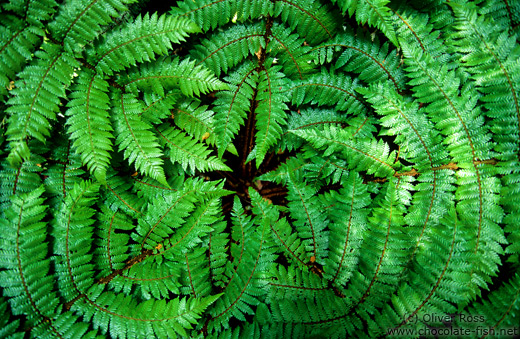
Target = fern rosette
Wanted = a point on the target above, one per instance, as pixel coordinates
(259, 168)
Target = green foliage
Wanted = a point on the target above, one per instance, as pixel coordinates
(259, 168)
(375, 13)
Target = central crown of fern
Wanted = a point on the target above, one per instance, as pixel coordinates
(258, 168)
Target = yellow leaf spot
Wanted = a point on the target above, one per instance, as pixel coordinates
(259, 53)
(205, 136)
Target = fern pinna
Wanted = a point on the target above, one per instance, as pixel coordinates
(259, 168)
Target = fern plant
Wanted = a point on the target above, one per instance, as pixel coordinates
(259, 168)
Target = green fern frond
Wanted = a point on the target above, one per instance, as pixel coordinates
(208, 14)
(324, 170)
(195, 279)
(17, 42)
(294, 249)
(479, 209)
(226, 49)
(170, 212)
(35, 105)
(196, 227)
(291, 52)
(375, 13)
(35, 12)
(119, 196)
(456, 116)
(329, 89)
(18, 7)
(283, 330)
(442, 18)
(414, 27)
(270, 111)
(290, 285)
(371, 156)
(39, 12)
(504, 13)
(310, 118)
(166, 74)
(69, 324)
(490, 55)
(138, 41)
(147, 188)
(195, 119)
(135, 138)
(510, 193)
(144, 276)
(314, 21)
(363, 55)
(299, 169)
(187, 151)
(423, 148)
(74, 261)
(218, 242)
(434, 83)
(385, 245)
(151, 318)
(157, 107)
(198, 121)
(241, 229)
(499, 311)
(23, 178)
(243, 290)
(308, 219)
(232, 105)
(111, 245)
(18, 152)
(65, 171)
(78, 23)
(25, 276)
(421, 142)
(347, 229)
(442, 282)
(306, 314)
(89, 125)
(281, 174)
(8, 326)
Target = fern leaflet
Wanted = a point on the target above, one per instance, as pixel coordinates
(135, 137)
(89, 125)
(138, 41)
